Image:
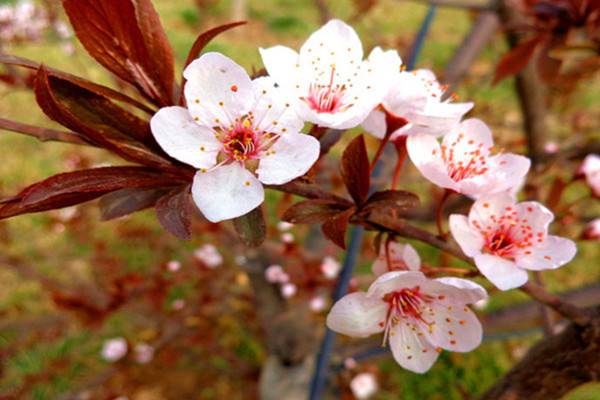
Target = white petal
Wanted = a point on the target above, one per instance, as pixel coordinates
(411, 351)
(272, 111)
(457, 290)
(455, 328)
(501, 272)
(490, 206)
(509, 169)
(537, 215)
(334, 43)
(398, 256)
(439, 118)
(468, 238)
(552, 253)
(357, 315)
(395, 280)
(425, 152)
(227, 192)
(411, 258)
(280, 61)
(375, 124)
(291, 156)
(471, 129)
(181, 138)
(212, 80)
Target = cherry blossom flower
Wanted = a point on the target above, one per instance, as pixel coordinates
(506, 238)
(396, 256)
(114, 349)
(239, 134)
(208, 255)
(417, 97)
(464, 162)
(364, 385)
(173, 266)
(590, 168)
(178, 304)
(276, 274)
(418, 316)
(144, 353)
(330, 267)
(287, 237)
(328, 81)
(283, 226)
(592, 230)
(288, 290)
(317, 304)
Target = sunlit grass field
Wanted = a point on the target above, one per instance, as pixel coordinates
(61, 255)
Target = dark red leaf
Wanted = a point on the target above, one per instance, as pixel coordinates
(201, 41)
(96, 118)
(174, 211)
(127, 38)
(126, 201)
(43, 134)
(335, 228)
(312, 211)
(397, 200)
(91, 86)
(251, 227)
(517, 58)
(355, 169)
(71, 188)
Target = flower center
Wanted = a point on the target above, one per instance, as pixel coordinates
(404, 304)
(243, 142)
(464, 159)
(327, 98)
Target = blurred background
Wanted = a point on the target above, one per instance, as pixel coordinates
(99, 310)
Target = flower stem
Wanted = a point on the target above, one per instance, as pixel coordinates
(440, 213)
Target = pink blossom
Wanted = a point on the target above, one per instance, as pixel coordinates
(209, 256)
(592, 230)
(276, 274)
(239, 134)
(396, 256)
(418, 316)
(288, 290)
(178, 304)
(590, 168)
(364, 385)
(287, 237)
(328, 82)
(144, 353)
(506, 238)
(551, 147)
(330, 267)
(173, 266)
(464, 161)
(114, 349)
(317, 304)
(417, 97)
(283, 226)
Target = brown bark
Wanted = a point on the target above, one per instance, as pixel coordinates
(554, 366)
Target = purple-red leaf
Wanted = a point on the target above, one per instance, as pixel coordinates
(335, 228)
(312, 211)
(517, 58)
(126, 201)
(96, 118)
(174, 211)
(43, 134)
(76, 80)
(355, 170)
(127, 38)
(251, 227)
(396, 200)
(71, 188)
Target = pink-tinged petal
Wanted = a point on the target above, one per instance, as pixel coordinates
(398, 256)
(425, 152)
(490, 206)
(411, 350)
(272, 111)
(226, 192)
(411, 258)
(536, 214)
(375, 124)
(474, 130)
(395, 280)
(552, 253)
(457, 291)
(334, 43)
(504, 274)
(217, 90)
(282, 65)
(510, 169)
(181, 138)
(291, 156)
(357, 315)
(468, 238)
(439, 118)
(455, 328)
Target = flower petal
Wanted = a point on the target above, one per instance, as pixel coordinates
(411, 351)
(227, 192)
(468, 238)
(501, 272)
(375, 124)
(552, 253)
(536, 214)
(279, 61)
(425, 152)
(401, 257)
(457, 290)
(272, 112)
(490, 206)
(395, 280)
(218, 90)
(475, 134)
(180, 137)
(357, 315)
(454, 328)
(291, 156)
